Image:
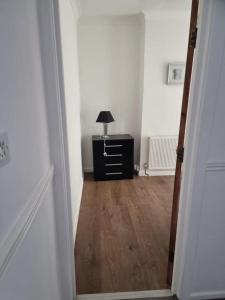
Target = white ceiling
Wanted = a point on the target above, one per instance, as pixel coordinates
(123, 7)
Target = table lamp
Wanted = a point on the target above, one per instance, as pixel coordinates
(105, 117)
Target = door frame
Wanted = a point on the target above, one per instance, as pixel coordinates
(182, 133)
(50, 48)
(193, 121)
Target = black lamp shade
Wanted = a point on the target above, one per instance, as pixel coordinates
(105, 117)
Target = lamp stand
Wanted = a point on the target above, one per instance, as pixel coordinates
(105, 130)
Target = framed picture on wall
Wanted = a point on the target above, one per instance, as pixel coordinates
(176, 73)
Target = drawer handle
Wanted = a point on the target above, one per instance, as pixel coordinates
(113, 146)
(109, 165)
(112, 155)
(115, 173)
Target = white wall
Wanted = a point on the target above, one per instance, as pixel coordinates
(166, 37)
(111, 54)
(68, 27)
(125, 7)
(28, 260)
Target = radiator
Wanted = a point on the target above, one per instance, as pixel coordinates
(162, 153)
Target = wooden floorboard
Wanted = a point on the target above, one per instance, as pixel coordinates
(164, 298)
(159, 298)
(123, 235)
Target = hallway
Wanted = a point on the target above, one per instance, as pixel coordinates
(123, 235)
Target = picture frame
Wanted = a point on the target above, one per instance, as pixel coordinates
(176, 73)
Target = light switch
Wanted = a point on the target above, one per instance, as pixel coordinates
(4, 149)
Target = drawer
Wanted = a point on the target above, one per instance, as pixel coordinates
(119, 152)
(123, 163)
(118, 161)
(118, 143)
(116, 165)
(114, 160)
(119, 148)
(116, 168)
(113, 173)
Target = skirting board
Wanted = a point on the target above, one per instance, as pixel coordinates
(157, 173)
(126, 295)
(208, 295)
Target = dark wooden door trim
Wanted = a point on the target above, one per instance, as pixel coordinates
(180, 147)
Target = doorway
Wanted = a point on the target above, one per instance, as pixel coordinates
(126, 230)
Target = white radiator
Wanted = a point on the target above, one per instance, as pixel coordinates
(162, 154)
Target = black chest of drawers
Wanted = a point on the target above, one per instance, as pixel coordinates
(113, 157)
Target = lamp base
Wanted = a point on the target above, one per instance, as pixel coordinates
(105, 130)
(104, 136)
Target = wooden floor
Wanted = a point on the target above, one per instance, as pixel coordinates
(123, 235)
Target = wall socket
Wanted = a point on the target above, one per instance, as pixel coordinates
(4, 149)
(145, 166)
